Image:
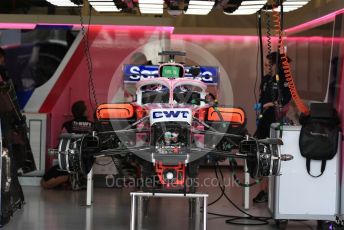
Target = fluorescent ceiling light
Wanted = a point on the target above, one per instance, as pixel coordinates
(203, 3)
(199, 7)
(102, 3)
(106, 8)
(248, 7)
(291, 5)
(295, 3)
(241, 12)
(287, 9)
(258, 7)
(151, 2)
(61, 2)
(197, 12)
(263, 2)
(151, 11)
(151, 6)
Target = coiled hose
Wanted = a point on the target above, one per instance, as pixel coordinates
(269, 42)
(285, 63)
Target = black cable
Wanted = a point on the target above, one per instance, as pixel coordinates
(269, 42)
(91, 83)
(85, 39)
(263, 220)
(216, 200)
(259, 220)
(233, 166)
(282, 21)
(276, 84)
(222, 187)
(272, 84)
(260, 34)
(85, 46)
(88, 57)
(259, 51)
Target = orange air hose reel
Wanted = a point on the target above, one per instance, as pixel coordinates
(285, 63)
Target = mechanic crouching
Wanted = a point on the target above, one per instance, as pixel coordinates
(80, 124)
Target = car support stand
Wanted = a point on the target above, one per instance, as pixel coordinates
(136, 217)
(89, 188)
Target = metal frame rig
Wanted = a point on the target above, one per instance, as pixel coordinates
(168, 132)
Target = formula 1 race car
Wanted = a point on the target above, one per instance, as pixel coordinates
(169, 130)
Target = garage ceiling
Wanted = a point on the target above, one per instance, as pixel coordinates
(38, 11)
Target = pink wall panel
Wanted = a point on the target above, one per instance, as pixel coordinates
(341, 98)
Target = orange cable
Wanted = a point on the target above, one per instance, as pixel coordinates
(285, 63)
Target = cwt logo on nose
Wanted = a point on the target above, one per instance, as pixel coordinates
(170, 114)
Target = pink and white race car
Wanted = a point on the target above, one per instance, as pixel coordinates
(171, 128)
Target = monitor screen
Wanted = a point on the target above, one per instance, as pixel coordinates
(171, 71)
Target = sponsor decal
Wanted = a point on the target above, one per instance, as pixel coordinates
(169, 114)
(135, 73)
(166, 115)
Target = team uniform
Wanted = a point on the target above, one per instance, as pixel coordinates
(79, 125)
(270, 93)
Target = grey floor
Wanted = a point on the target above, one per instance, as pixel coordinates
(65, 209)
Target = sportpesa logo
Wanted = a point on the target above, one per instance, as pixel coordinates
(169, 114)
(135, 73)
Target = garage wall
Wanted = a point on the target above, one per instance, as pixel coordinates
(311, 59)
(237, 58)
(235, 55)
(112, 46)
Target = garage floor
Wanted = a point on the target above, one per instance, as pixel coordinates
(65, 209)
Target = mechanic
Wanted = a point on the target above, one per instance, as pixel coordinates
(80, 124)
(273, 104)
(3, 72)
(210, 99)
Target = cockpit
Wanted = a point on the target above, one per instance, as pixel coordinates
(155, 93)
(171, 91)
(187, 94)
